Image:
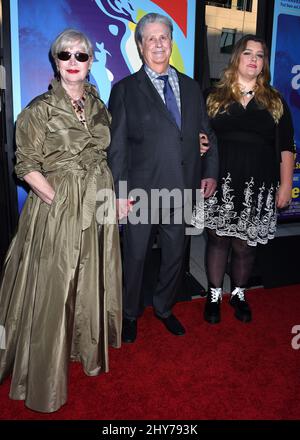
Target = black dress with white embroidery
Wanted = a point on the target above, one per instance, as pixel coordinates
(244, 205)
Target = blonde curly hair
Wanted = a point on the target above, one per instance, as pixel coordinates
(227, 89)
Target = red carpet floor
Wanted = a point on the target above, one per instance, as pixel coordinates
(228, 371)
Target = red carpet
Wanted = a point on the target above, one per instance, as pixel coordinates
(226, 371)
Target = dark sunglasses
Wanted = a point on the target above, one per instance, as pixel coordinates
(82, 57)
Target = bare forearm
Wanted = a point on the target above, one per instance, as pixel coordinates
(286, 168)
(40, 186)
(284, 193)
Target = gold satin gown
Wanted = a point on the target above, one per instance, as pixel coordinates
(60, 295)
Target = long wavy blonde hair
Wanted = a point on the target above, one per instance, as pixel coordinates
(227, 89)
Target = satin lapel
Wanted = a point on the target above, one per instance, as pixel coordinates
(150, 91)
(62, 101)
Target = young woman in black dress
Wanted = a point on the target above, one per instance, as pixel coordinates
(255, 139)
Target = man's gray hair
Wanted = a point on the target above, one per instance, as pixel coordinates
(67, 38)
(151, 18)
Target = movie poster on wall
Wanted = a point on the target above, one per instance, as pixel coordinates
(285, 70)
(109, 24)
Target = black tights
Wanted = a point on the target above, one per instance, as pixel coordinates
(242, 259)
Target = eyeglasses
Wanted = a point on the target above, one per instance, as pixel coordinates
(82, 57)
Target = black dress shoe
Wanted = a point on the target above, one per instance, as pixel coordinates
(173, 325)
(129, 330)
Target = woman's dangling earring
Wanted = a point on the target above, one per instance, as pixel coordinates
(88, 75)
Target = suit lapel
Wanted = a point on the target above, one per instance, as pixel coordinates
(183, 98)
(152, 94)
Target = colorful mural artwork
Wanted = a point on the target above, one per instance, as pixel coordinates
(110, 25)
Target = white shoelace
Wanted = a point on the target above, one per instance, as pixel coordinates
(216, 293)
(239, 291)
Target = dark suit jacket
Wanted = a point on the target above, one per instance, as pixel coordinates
(147, 148)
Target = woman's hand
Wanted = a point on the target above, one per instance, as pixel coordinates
(204, 143)
(40, 186)
(284, 196)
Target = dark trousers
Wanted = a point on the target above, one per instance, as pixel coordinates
(137, 242)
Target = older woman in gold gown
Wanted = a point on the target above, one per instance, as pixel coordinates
(60, 295)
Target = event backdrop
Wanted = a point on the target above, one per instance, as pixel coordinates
(110, 25)
(285, 69)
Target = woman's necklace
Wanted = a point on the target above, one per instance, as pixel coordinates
(78, 105)
(248, 94)
(246, 97)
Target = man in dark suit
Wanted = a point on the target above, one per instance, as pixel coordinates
(157, 117)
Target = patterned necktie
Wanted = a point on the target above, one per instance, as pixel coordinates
(170, 100)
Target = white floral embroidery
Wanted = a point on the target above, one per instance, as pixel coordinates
(198, 215)
(255, 223)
